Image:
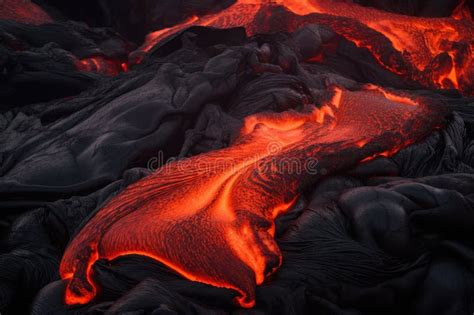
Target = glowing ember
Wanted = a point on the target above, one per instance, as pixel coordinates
(434, 51)
(211, 217)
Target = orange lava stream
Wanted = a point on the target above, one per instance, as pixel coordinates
(211, 217)
(420, 42)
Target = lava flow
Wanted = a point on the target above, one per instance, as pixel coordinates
(210, 218)
(437, 52)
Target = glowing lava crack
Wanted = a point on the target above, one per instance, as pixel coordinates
(211, 217)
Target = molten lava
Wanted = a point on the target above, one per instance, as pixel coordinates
(211, 217)
(437, 52)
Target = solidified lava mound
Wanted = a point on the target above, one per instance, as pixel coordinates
(248, 156)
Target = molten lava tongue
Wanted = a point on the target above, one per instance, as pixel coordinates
(210, 217)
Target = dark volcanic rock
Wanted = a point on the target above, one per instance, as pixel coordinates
(132, 18)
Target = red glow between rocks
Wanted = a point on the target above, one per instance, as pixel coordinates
(101, 65)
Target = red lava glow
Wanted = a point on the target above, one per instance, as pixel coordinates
(23, 11)
(462, 12)
(437, 52)
(101, 65)
(210, 218)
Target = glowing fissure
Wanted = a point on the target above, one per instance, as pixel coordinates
(211, 217)
(419, 42)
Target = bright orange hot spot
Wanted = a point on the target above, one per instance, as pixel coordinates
(211, 217)
(434, 51)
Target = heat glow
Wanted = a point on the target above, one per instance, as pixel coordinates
(101, 65)
(437, 52)
(210, 218)
(23, 11)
